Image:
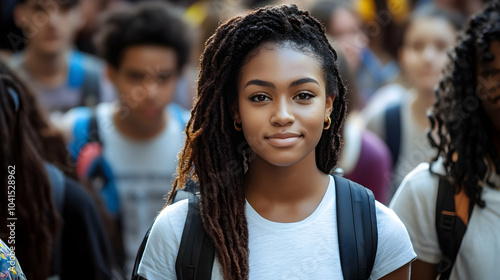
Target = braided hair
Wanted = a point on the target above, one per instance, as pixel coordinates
(460, 128)
(24, 173)
(213, 154)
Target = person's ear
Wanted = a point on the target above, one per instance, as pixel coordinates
(329, 105)
(235, 112)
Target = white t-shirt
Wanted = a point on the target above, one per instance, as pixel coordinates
(143, 170)
(414, 145)
(307, 249)
(415, 204)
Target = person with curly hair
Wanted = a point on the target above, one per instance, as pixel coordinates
(263, 137)
(465, 129)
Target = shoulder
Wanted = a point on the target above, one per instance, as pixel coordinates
(160, 253)
(415, 204)
(394, 246)
(418, 185)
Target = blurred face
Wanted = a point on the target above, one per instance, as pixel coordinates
(489, 82)
(282, 104)
(50, 28)
(146, 80)
(345, 28)
(423, 55)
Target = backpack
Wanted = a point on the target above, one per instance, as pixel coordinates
(57, 182)
(449, 225)
(357, 234)
(392, 122)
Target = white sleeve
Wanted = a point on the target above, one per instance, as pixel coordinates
(415, 204)
(160, 253)
(394, 248)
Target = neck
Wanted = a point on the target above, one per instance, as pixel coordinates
(291, 184)
(423, 101)
(136, 130)
(47, 69)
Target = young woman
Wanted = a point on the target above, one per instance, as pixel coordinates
(263, 137)
(466, 132)
(427, 37)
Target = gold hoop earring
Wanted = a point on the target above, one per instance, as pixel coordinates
(327, 126)
(238, 128)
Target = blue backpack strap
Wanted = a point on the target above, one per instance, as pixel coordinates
(357, 228)
(58, 185)
(83, 74)
(450, 228)
(393, 131)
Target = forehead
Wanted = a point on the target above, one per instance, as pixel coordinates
(277, 63)
(146, 57)
(430, 27)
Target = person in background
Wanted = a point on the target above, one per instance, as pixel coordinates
(428, 35)
(58, 231)
(10, 269)
(61, 77)
(364, 158)
(465, 131)
(146, 47)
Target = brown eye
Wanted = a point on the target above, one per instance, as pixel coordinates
(259, 98)
(304, 96)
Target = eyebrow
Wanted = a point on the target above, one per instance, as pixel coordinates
(262, 83)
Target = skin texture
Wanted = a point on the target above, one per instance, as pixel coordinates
(49, 30)
(145, 80)
(423, 54)
(346, 29)
(282, 90)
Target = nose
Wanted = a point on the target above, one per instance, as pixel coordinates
(282, 112)
(429, 53)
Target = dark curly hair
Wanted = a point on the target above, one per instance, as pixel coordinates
(148, 23)
(460, 129)
(212, 154)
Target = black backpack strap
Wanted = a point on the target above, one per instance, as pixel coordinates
(94, 129)
(196, 252)
(58, 186)
(393, 131)
(138, 257)
(450, 228)
(357, 228)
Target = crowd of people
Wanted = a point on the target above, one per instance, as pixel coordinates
(113, 112)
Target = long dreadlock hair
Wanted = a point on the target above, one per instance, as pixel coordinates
(212, 151)
(37, 219)
(464, 131)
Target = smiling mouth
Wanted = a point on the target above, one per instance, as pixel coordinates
(283, 140)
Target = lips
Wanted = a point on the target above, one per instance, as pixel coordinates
(283, 139)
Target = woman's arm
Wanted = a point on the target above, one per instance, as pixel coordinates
(424, 270)
(400, 273)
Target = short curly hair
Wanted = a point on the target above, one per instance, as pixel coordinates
(148, 23)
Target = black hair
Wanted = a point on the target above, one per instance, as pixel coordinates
(458, 120)
(213, 154)
(148, 23)
(65, 4)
